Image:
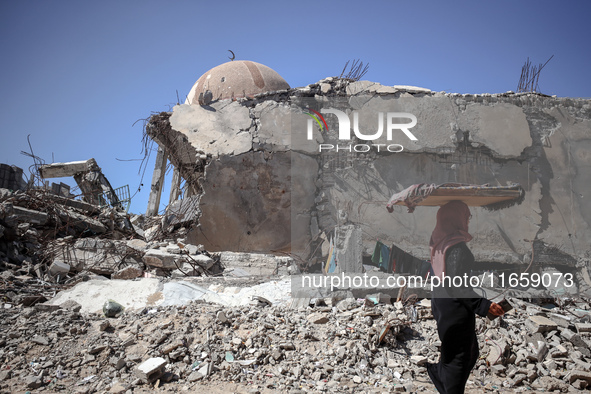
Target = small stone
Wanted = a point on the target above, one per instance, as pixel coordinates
(97, 349)
(287, 346)
(276, 354)
(174, 249)
(118, 388)
(205, 369)
(119, 363)
(5, 375)
(41, 340)
(195, 376)
(112, 308)
(357, 379)
(104, 325)
(325, 87)
(222, 318)
(173, 346)
(137, 244)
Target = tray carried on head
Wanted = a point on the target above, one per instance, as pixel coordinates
(489, 197)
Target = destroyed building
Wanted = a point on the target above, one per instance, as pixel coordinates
(256, 182)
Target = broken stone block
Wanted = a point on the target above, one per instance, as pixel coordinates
(195, 376)
(418, 360)
(5, 375)
(531, 375)
(583, 327)
(137, 244)
(574, 338)
(204, 261)
(205, 369)
(317, 318)
(151, 369)
(517, 379)
(562, 321)
(71, 305)
(128, 273)
(97, 349)
(193, 249)
(498, 369)
(222, 318)
(582, 375)
(495, 353)
(58, 267)
(33, 382)
(174, 345)
(540, 324)
(539, 350)
(118, 388)
(174, 249)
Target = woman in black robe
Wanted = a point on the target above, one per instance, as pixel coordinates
(455, 308)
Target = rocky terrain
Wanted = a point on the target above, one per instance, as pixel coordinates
(348, 345)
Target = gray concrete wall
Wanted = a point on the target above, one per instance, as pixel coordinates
(266, 188)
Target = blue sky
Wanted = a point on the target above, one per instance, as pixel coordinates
(77, 75)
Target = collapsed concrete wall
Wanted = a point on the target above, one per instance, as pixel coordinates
(265, 187)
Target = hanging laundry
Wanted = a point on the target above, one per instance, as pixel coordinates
(381, 257)
(404, 263)
(331, 263)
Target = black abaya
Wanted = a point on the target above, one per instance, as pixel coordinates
(454, 310)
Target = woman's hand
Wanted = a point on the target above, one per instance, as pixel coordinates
(496, 310)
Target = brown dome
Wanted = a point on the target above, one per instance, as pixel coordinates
(240, 78)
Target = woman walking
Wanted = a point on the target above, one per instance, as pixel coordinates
(454, 309)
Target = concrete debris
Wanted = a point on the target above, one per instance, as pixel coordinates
(277, 348)
(48, 242)
(151, 369)
(92, 182)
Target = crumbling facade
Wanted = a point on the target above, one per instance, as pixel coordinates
(263, 186)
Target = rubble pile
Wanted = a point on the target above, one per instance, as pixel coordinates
(49, 242)
(344, 345)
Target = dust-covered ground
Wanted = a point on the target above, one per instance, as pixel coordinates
(349, 346)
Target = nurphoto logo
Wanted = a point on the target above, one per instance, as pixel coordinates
(392, 120)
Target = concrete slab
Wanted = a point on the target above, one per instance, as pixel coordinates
(148, 292)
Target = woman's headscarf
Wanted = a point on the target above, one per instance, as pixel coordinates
(451, 229)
